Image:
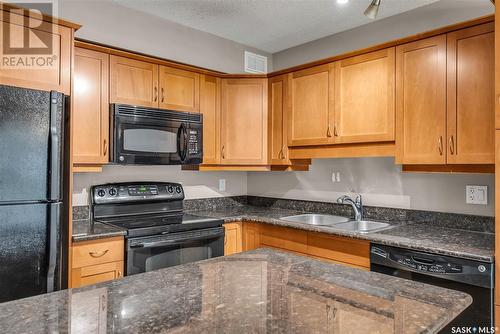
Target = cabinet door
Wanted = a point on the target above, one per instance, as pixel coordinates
(251, 236)
(96, 274)
(279, 100)
(91, 107)
(232, 239)
(133, 82)
(179, 89)
(244, 122)
(55, 70)
(471, 95)
(210, 108)
(365, 91)
(283, 238)
(421, 101)
(311, 121)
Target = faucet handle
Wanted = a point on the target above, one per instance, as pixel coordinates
(359, 200)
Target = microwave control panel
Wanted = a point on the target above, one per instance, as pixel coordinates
(193, 142)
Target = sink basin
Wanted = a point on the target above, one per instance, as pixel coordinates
(363, 226)
(316, 219)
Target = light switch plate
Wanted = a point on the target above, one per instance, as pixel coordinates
(222, 184)
(476, 195)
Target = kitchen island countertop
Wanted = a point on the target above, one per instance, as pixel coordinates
(262, 291)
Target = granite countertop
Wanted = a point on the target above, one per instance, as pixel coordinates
(84, 230)
(254, 292)
(418, 236)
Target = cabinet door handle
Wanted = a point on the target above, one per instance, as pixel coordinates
(222, 152)
(440, 145)
(283, 152)
(335, 133)
(105, 147)
(162, 95)
(120, 273)
(156, 94)
(98, 254)
(328, 132)
(452, 145)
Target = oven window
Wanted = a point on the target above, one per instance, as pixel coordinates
(149, 140)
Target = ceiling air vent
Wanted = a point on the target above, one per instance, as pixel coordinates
(255, 63)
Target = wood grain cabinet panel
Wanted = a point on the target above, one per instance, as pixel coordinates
(88, 253)
(232, 239)
(283, 238)
(179, 89)
(471, 95)
(279, 99)
(91, 107)
(210, 108)
(133, 82)
(56, 72)
(311, 117)
(96, 274)
(251, 236)
(421, 101)
(244, 122)
(365, 98)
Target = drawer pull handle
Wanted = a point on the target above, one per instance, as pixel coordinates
(98, 254)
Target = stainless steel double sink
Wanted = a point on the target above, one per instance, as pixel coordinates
(338, 222)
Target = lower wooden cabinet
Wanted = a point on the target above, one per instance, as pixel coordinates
(321, 246)
(232, 238)
(97, 261)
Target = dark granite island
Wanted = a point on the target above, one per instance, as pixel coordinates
(262, 291)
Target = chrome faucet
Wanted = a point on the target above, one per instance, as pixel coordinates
(357, 205)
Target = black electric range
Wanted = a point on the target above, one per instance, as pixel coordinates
(159, 233)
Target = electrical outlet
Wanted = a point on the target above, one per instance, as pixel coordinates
(222, 185)
(338, 176)
(476, 195)
(333, 178)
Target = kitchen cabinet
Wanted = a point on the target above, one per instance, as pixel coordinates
(97, 261)
(210, 108)
(90, 108)
(421, 101)
(232, 238)
(279, 103)
(55, 42)
(179, 89)
(244, 122)
(311, 116)
(365, 98)
(283, 238)
(133, 82)
(471, 95)
(251, 235)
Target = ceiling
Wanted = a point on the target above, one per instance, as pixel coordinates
(270, 25)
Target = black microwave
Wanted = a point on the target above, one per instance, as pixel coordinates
(148, 136)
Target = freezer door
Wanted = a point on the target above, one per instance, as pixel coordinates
(30, 130)
(29, 249)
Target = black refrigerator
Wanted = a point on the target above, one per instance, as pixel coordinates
(32, 147)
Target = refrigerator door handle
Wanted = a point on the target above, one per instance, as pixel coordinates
(56, 129)
(54, 228)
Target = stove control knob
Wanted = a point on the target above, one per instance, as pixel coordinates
(112, 192)
(101, 193)
(170, 189)
(178, 190)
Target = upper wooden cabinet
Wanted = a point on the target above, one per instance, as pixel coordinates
(311, 115)
(210, 108)
(279, 102)
(244, 122)
(133, 82)
(365, 98)
(91, 107)
(471, 95)
(421, 101)
(179, 89)
(55, 70)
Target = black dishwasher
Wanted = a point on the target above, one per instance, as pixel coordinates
(472, 277)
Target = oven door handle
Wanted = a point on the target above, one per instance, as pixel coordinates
(179, 240)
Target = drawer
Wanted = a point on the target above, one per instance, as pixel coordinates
(339, 249)
(96, 274)
(283, 238)
(89, 253)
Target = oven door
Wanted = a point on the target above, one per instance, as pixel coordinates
(152, 253)
(155, 141)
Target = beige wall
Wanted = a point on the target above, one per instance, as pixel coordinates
(435, 15)
(380, 181)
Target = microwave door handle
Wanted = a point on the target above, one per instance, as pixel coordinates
(184, 152)
(179, 152)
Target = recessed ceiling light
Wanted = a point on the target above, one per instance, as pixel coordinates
(342, 2)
